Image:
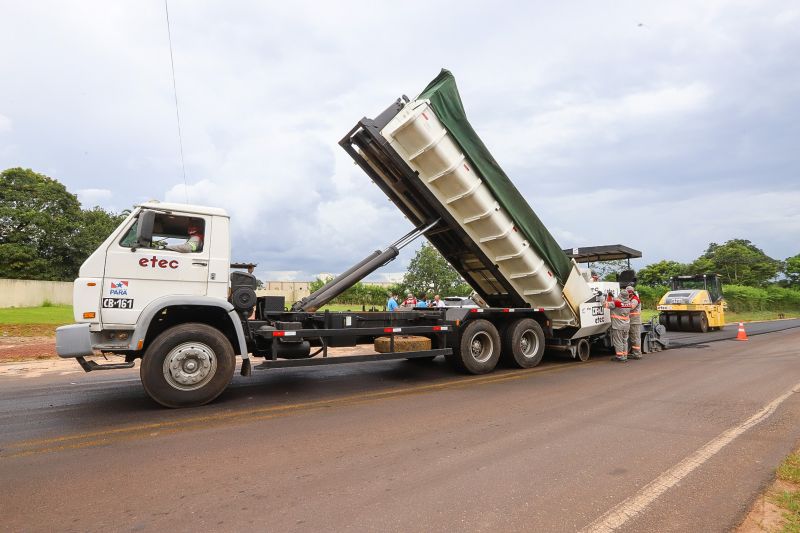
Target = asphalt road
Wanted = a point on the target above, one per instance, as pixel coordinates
(680, 441)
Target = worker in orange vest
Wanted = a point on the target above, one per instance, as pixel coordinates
(620, 324)
(635, 332)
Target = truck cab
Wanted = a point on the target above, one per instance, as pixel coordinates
(133, 268)
(141, 279)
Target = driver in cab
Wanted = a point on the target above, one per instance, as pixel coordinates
(193, 243)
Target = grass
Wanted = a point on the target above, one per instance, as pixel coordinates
(789, 500)
(790, 469)
(34, 321)
(52, 314)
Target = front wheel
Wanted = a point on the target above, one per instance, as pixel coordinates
(187, 365)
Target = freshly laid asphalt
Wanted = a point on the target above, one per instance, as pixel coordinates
(406, 446)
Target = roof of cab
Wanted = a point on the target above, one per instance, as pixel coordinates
(184, 208)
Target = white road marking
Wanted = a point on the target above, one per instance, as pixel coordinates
(633, 506)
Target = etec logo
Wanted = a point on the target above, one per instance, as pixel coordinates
(155, 262)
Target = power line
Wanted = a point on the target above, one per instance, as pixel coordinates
(177, 113)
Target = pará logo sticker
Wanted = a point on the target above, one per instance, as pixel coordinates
(119, 288)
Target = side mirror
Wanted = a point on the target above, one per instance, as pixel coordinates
(144, 228)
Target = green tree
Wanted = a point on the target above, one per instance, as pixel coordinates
(659, 273)
(609, 270)
(739, 262)
(791, 269)
(431, 274)
(38, 220)
(94, 226)
(44, 234)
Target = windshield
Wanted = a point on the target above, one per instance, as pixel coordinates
(688, 284)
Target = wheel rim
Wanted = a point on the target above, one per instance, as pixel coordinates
(528, 343)
(481, 347)
(189, 366)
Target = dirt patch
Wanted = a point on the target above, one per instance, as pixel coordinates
(26, 348)
(27, 330)
(765, 515)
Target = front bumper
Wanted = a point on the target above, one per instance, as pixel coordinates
(73, 340)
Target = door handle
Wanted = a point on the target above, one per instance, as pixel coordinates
(199, 263)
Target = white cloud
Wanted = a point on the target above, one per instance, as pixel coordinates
(93, 197)
(573, 120)
(279, 275)
(5, 124)
(682, 229)
(579, 103)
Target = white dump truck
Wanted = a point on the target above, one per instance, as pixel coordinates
(188, 317)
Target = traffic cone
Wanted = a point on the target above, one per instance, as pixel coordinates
(741, 336)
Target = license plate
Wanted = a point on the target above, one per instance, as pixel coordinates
(118, 303)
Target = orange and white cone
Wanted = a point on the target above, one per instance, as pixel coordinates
(741, 336)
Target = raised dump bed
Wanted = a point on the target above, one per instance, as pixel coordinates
(436, 162)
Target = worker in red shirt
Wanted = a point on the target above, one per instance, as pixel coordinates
(635, 332)
(620, 324)
(410, 301)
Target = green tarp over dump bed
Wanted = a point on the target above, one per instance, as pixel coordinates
(443, 95)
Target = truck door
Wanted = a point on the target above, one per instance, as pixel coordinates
(134, 277)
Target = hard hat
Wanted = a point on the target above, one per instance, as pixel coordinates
(630, 288)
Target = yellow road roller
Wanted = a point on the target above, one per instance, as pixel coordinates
(694, 303)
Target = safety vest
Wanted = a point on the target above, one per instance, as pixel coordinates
(636, 310)
(620, 313)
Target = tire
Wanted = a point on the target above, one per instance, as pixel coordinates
(685, 322)
(523, 343)
(672, 323)
(662, 319)
(703, 323)
(478, 348)
(187, 365)
(583, 350)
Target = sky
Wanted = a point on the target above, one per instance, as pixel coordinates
(663, 126)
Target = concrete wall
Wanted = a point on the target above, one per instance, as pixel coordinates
(291, 290)
(32, 293)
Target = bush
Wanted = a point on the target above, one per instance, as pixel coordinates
(773, 298)
(650, 296)
(740, 298)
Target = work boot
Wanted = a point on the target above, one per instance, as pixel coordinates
(619, 359)
(636, 356)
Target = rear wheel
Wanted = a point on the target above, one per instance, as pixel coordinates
(523, 343)
(672, 323)
(187, 365)
(703, 323)
(478, 349)
(685, 322)
(583, 350)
